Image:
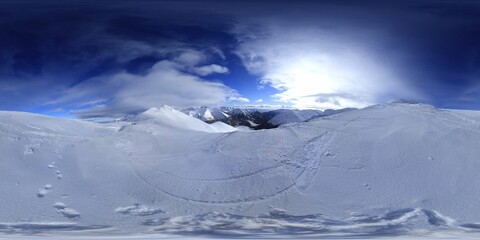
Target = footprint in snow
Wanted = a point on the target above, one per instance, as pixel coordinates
(59, 175)
(51, 165)
(66, 211)
(29, 150)
(43, 191)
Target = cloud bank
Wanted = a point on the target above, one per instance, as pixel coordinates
(317, 68)
(165, 83)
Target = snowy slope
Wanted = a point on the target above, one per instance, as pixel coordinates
(218, 114)
(167, 116)
(468, 113)
(413, 162)
(285, 116)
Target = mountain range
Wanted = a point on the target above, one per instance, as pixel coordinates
(256, 118)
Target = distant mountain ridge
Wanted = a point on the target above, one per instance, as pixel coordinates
(254, 118)
(202, 117)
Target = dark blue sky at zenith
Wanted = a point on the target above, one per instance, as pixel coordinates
(110, 58)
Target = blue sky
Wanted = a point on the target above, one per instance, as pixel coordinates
(107, 59)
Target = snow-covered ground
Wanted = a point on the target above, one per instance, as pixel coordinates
(468, 113)
(379, 171)
(286, 116)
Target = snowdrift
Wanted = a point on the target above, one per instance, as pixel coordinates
(381, 166)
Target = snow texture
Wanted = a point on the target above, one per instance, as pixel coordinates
(380, 170)
(286, 116)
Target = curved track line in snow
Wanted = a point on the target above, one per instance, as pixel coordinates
(314, 147)
(308, 163)
(210, 202)
(231, 178)
(313, 150)
(299, 168)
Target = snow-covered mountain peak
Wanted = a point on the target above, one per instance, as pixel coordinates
(167, 116)
(206, 114)
(164, 108)
(157, 110)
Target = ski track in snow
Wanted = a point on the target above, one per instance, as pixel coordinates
(231, 178)
(243, 200)
(313, 150)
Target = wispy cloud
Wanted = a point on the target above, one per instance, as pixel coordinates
(238, 99)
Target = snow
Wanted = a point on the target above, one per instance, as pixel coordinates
(214, 114)
(202, 113)
(239, 111)
(169, 117)
(218, 114)
(468, 113)
(138, 210)
(286, 116)
(206, 114)
(377, 169)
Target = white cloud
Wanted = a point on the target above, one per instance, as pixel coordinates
(312, 67)
(189, 57)
(218, 52)
(164, 84)
(210, 69)
(194, 61)
(238, 99)
(259, 100)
